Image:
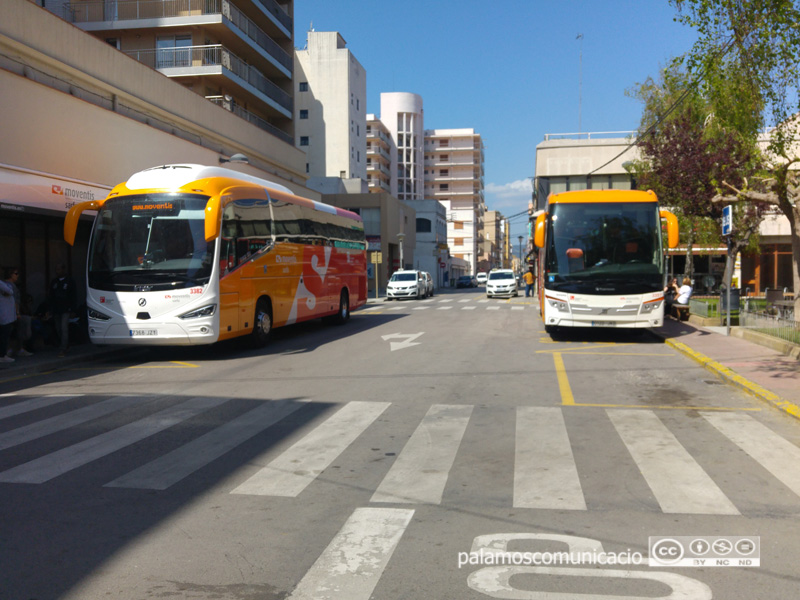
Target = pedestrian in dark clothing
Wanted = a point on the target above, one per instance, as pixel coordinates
(62, 299)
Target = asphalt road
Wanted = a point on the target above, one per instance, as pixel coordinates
(436, 449)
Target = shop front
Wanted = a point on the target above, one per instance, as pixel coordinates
(32, 209)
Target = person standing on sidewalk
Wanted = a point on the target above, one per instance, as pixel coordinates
(8, 314)
(62, 299)
(21, 332)
(529, 280)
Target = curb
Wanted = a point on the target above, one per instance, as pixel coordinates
(741, 382)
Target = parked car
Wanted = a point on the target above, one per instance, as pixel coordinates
(429, 283)
(501, 282)
(407, 284)
(466, 281)
(481, 278)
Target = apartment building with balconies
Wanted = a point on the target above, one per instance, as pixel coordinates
(330, 108)
(454, 171)
(235, 53)
(380, 149)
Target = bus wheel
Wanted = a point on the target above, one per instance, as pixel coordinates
(262, 325)
(343, 314)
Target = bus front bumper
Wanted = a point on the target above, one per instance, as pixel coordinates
(152, 333)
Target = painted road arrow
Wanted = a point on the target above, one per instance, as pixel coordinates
(408, 340)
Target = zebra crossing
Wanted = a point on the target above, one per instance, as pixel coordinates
(546, 474)
(447, 304)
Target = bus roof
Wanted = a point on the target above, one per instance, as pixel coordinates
(591, 196)
(177, 176)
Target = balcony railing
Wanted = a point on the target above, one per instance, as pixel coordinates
(250, 117)
(132, 10)
(214, 55)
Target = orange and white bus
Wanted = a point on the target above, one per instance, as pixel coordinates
(601, 259)
(189, 254)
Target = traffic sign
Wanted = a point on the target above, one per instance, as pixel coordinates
(727, 220)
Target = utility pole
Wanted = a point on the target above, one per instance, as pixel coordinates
(580, 79)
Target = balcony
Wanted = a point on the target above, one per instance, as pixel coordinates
(113, 15)
(227, 104)
(216, 61)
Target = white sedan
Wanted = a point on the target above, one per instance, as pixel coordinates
(501, 283)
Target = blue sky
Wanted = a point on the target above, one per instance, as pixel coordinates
(511, 69)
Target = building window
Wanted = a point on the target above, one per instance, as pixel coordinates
(303, 113)
(423, 225)
(304, 140)
(444, 143)
(173, 51)
(458, 225)
(444, 172)
(443, 187)
(444, 158)
(458, 241)
(303, 86)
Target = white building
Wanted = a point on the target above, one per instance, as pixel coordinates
(402, 115)
(330, 109)
(454, 169)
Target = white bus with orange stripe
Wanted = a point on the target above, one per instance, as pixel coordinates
(601, 259)
(189, 254)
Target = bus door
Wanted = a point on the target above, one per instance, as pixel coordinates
(245, 237)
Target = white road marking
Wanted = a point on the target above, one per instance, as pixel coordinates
(33, 404)
(352, 564)
(679, 484)
(182, 462)
(291, 472)
(52, 465)
(37, 430)
(545, 474)
(776, 454)
(420, 472)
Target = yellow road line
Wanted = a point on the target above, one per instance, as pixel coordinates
(563, 381)
(567, 399)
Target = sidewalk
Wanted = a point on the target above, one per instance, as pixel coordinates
(47, 359)
(763, 372)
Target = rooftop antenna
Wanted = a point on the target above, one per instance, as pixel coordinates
(580, 79)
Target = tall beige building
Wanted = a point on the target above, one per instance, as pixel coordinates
(83, 108)
(454, 170)
(331, 107)
(235, 53)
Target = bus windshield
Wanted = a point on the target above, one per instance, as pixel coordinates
(604, 248)
(150, 242)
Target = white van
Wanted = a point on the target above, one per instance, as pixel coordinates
(481, 278)
(407, 284)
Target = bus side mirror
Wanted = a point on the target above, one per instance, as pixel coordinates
(672, 227)
(213, 223)
(74, 215)
(538, 235)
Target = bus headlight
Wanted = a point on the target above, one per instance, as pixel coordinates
(205, 311)
(559, 305)
(650, 306)
(96, 315)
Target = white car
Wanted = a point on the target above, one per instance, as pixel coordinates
(481, 278)
(501, 282)
(407, 284)
(429, 283)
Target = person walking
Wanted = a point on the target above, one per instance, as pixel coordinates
(62, 299)
(529, 280)
(8, 314)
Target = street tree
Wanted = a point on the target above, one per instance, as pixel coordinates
(753, 47)
(686, 152)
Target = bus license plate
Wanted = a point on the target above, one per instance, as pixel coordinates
(143, 332)
(603, 324)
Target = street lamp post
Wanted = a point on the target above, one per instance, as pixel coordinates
(520, 254)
